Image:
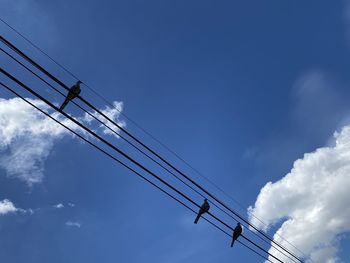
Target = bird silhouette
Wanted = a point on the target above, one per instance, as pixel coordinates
(236, 233)
(203, 209)
(74, 91)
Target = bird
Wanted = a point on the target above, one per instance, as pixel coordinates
(203, 209)
(74, 91)
(236, 233)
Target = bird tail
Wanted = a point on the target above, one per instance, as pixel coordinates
(233, 241)
(64, 104)
(197, 218)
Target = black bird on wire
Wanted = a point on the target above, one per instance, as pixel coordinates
(236, 233)
(203, 209)
(74, 91)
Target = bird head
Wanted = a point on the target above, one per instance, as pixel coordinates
(79, 82)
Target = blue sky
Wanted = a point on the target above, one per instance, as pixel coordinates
(239, 89)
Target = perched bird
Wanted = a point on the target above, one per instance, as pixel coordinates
(236, 233)
(203, 209)
(74, 91)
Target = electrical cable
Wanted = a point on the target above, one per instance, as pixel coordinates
(134, 146)
(126, 156)
(145, 146)
(141, 128)
(129, 168)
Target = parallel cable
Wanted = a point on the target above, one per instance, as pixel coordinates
(142, 129)
(121, 128)
(138, 149)
(136, 124)
(128, 157)
(102, 123)
(129, 168)
(145, 146)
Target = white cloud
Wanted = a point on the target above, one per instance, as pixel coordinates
(111, 113)
(27, 137)
(71, 204)
(73, 224)
(59, 206)
(6, 206)
(311, 202)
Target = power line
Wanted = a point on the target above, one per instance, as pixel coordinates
(126, 156)
(141, 128)
(141, 143)
(122, 113)
(129, 168)
(128, 118)
(101, 122)
(134, 146)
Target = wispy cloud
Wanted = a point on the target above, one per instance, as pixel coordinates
(312, 201)
(319, 106)
(111, 113)
(60, 205)
(73, 224)
(347, 17)
(27, 137)
(30, 16)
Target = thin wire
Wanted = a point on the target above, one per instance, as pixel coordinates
(122, 113)
(63, 85)
(142, 129)
(126, 156)
(101, 122)
(129, 168)
(141, 143)
(136, 124)
(134, 146)
(128, 118)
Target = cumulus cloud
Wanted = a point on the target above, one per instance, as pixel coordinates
(6, 206)
(27, 137)
(310, 202)
(73, 224)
